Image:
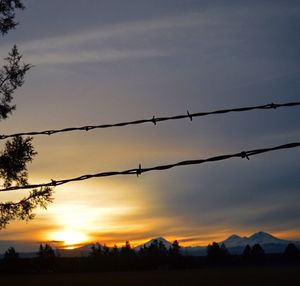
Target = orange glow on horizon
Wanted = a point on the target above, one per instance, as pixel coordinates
(289, 235)
(69, 238)
(73, 240)
(109, 221)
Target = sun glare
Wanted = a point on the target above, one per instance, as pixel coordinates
(77, 223)
(70, 237)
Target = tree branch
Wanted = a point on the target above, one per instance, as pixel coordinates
(23, 210)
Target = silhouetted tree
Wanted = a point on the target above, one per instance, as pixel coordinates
(175, 249)
(247, 251)
(101, 256)
(46, 258)
(96, 250)
(127, 256)
(46, 251)
(213, 250)
(216, 253)
(224, 251)
(162, 250)
(11, 260)
(157, 249)
(7, 14)
(126, 250)
(115, 251)
(175, 256)
(11, 254)
(11, 77)
(291, 251)
(19, 151)
(257, 251)
(105, 250)
(143, 252)
(155, 255)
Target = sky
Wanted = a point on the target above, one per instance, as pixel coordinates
(105, 61)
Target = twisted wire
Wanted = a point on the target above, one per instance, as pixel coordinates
(139, 171)
(154, 120)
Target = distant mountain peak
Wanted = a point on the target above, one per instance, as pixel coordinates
(161, 239)
(260, 237)
(234, 240)
(234, 236)
(262, 234)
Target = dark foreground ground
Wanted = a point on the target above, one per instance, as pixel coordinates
(241, 276)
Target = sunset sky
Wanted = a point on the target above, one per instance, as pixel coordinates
(105, 61)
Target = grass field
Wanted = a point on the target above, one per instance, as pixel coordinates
(211, 276)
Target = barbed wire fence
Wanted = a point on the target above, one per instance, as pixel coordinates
(41, 195)
(154, 120)
(139, 171)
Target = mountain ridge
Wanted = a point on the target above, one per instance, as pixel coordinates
(234, 243)
(260, 237)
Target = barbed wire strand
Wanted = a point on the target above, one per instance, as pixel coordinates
(154, 120)
(138, 171)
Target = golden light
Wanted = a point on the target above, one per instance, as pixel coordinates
(80, 222)
(74, 222)
(70, 237)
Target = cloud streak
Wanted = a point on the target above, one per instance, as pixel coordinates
(193, 56)
(92, 56)
(111, 43)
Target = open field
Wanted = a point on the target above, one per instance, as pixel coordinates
(282, 275)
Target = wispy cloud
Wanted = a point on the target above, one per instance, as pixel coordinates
(93, 56)
(116, 31)
(110, 43)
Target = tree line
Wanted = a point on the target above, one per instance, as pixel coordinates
(154, 256)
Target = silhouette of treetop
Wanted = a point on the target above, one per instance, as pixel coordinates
(7, 14)
(11, 77)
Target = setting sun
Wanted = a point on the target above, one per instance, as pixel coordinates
(69, 237)
(127, 129)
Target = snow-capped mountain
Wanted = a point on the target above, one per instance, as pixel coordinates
(162, 240)
(270, 244)
(259, 237)
(265, 238)
(234, 243)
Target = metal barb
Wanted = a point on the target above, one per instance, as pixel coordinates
(139, 171)
(154, 120)
(244, 155)
(189, 115)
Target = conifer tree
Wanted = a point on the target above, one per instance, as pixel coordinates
(19, 151)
